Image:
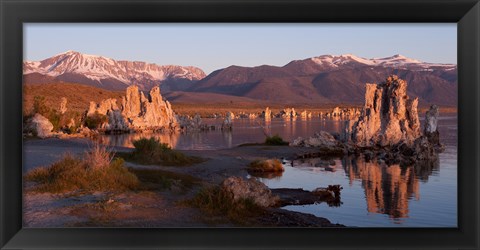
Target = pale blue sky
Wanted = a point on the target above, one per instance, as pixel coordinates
(215, 46)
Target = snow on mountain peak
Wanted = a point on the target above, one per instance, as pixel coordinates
(395, 61)
(336, 60)
(99, 67)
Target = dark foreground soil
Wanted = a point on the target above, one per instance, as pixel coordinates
(151, 208)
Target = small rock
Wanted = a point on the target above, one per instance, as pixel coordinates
(249, 189)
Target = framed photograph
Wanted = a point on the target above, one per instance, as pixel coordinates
(239, 124)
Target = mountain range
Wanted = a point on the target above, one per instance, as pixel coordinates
(325, 79)
(99, 71)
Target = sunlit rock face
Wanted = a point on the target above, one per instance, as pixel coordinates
(305, 114)
(131, 102)
(103, 107)
(136, 111)
(389, 116)
(288, 113)
(63, 105)
(154, 112)
(342, 113)
(40, 126)
(267, 114)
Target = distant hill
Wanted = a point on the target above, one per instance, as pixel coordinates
(333, 79)
(78, 95)
(208, 98)
(322, 80)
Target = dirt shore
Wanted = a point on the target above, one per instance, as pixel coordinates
(160, 208)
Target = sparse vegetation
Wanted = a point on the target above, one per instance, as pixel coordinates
(94, 121)
(66, 119)
(270, 165)
(97, 171)
(78, 95)
(98, 157)
(215, 202)
(154, 179)
(275, 140)
(151, 151)
(60, 122)
(54, 117)
(39, 106)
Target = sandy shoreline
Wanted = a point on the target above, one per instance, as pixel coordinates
(148, 209)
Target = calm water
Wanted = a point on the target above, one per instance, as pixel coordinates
(373, 195)
(244, 131)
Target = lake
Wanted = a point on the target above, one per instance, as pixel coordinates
(373, 195)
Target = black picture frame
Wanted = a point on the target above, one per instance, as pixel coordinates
(13, 13)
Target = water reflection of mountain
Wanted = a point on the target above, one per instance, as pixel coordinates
(388, 189)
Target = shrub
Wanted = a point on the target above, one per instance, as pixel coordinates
(71, 130)
(270, 165)
(39, 106)
(76, 174)
(275, 140)
(65, 120)
(151, 151)
(94, 121)
(155, 179)
(98, 157)
(214, 201)
(54, 117)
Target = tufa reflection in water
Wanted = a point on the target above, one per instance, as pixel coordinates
(388, 188)
(126, 140)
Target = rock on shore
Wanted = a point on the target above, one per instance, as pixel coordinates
(261, 195)
(323, 140)
(40, 126)
(249, 189)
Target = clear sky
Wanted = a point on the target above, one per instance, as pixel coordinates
(215, 46)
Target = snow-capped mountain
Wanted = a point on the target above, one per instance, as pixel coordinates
(397, 61)
(72, 66)
(321, 79)
(333, 78)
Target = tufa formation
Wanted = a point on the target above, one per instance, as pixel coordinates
(136, 112)
(387, 128)
(388, 117)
